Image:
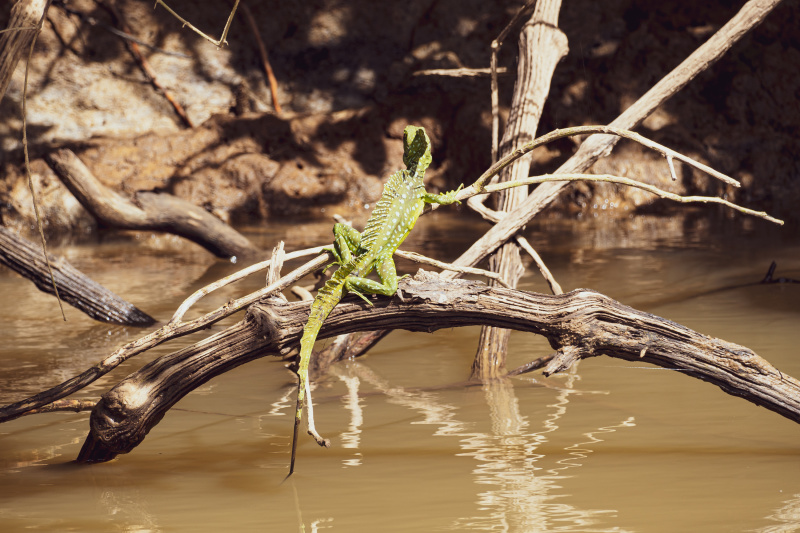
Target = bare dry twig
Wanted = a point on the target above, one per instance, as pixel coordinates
(149, 73)
(273, 82)
(459, 72)
(28, 173)
(607, 178)
(217, 43)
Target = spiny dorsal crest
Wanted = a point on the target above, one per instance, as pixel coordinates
(417, 158)
(382, 208)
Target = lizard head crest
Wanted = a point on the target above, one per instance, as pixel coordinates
(416, 149)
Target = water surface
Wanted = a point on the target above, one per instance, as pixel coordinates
(613, 446)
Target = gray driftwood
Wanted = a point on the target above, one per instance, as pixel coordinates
(580, 324)
(74, 287)
(151, 211)
(541, 46)
(14, 44)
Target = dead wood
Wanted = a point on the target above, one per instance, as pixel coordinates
(25, 15)
(596, 146)
(579, 324)
(74, 287)
(151, 211)
(541, 46)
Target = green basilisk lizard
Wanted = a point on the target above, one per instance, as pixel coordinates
(357, 254)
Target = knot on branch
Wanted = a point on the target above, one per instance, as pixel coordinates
(430, 287)
(271, 319)
(564, 358)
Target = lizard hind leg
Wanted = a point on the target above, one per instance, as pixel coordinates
(386, 287)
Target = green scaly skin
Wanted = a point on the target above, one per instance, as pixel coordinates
(357, 254)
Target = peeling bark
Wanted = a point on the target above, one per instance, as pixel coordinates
(579, 324)
(541, 46)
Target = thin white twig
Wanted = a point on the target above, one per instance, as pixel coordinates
(222, 40)
(671, 164)
(631, 183)
(419, 258)
(459, 72)
(236, 276)
(495, 169)
(548, 276)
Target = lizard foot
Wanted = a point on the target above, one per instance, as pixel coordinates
(360, 295)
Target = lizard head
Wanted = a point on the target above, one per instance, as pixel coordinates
(416, 149)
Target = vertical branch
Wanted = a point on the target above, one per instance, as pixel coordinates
(27, 17)
(16, 39)
(541, 47)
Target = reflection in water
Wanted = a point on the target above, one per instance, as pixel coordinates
(426, 403)
(523, 500)
(788, 517)
(279, 405)
(352, 437)
(129, 510)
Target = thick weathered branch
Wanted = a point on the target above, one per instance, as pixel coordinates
(16, 40)
(580, 324)
(154, 212)
(75, 288)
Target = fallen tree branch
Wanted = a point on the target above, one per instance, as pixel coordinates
(579, 324)
(77, 289)
(154, 212)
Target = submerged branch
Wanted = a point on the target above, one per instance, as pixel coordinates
(77, 289)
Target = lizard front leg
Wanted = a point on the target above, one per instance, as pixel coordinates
(446, 198)
(346, 243)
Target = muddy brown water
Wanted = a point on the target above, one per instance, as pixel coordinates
(613, 446)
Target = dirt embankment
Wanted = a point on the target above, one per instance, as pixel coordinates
(347, 87)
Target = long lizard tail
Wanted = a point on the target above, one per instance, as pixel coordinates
(320, 309)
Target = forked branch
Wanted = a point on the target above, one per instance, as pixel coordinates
(218, 43)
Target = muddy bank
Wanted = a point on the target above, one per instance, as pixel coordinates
(347, 87)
